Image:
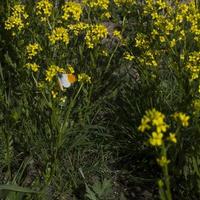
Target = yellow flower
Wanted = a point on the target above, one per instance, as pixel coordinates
(128, 56)
(54, 94)
(33, 49)
(154, 119)
(196, 105)
(59, 34)
(63, 99)
(72, 10)
(117, 34)
(105, 53)
(71, 69)
(83, 77)
(182, 117)
(162, 39)
(163, 161)
(144, 124)
(141, 41)
(44, 9)
(172, 138)
(33, 66)
(148, 59)
(157, 119)
(156, 139)
(172, 43)
(106, 15)
(95, 34)
(41, 85)
(52, 71)
(78, 28)
(193, 65)
(17, 19)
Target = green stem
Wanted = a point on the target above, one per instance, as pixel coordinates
(111, 57)
(166, 175)
(167, 182)
(64, 125)
(107, 66)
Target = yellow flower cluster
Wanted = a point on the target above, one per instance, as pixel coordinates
(72, 10)
(17, 19)
(163, 161)
(52, 71)
(193, 65)
(124, 2)
(33, 66)
(148, 59)
(128, 56)
(151, 7)
(83, 77)
(193, 17)
(154, 119)
(33, 49)
(156, 139)
(196, 106)
(182, 117)
(182, 12)
(117, 34)
(103, 4)
(77, 28)
(105, 15)
(95, 34)
(44, 9)
(59, 34)
(141, 41)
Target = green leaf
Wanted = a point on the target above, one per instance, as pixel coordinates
(90, 194)
(17, 188)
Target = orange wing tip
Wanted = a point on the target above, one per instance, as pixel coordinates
(66, 80)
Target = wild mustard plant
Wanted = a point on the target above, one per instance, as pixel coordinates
(193, 65)
(83, 77)
(44, 9)
(18, 19)
(72, 10)
(95, 34)
(184, 119)
(33, 66)
(128, 56)
(78, 28)
(158, 39)
(33, 50)
(117, 34)
(154, 122)
(59, 34)
(155, 119)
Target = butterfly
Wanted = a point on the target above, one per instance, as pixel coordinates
(66, 80)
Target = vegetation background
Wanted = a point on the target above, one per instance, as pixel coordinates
(125, 57)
